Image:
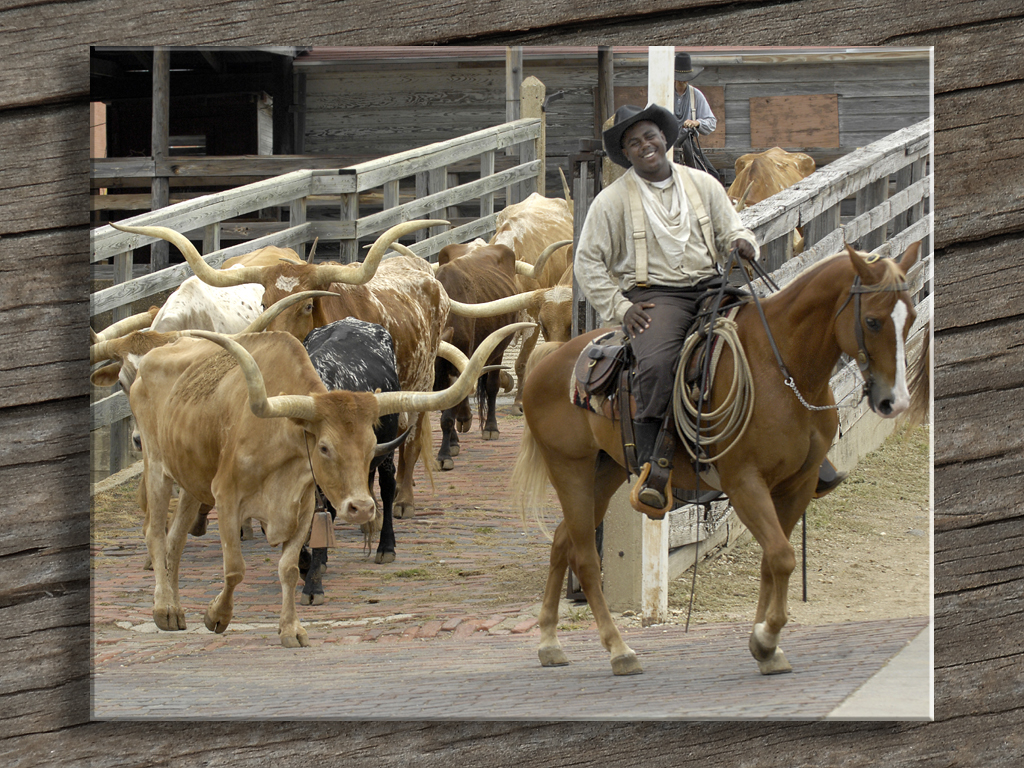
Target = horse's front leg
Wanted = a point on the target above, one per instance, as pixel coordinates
(755, 508)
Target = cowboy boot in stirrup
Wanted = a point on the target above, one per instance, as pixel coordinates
(655, 447)
(828, 479)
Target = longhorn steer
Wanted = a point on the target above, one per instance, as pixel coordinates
(473, 274)
(759, 175)
(354, 355)
(401, 295)
(528, 228)
(207, 424)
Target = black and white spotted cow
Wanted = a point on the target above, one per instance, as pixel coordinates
(358, 356)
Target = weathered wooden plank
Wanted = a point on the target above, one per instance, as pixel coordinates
(376, 172)
(424, 206)
(40, 147)
(107, 242)
(978, 705)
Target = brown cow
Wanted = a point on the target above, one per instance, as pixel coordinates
(473, 274)
(759, 175)
(208, 425)
(401, 295)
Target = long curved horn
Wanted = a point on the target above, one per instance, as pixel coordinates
(129, 324)
(565, 191)
(312, 251)
(397, 402)
(383, 449)
(264, 320)
(407, 251)
(742, 202)
(357, 274)
(492, 308)
(533, 270)
(219, 278)
(453, 355)
(292, 406)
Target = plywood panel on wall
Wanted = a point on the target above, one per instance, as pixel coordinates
(794, 121)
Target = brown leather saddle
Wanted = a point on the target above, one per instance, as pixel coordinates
(603, 372)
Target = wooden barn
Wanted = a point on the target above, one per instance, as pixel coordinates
(364, 102)
(234, 116)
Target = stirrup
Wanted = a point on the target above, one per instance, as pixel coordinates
(640, 486)
(828, 479)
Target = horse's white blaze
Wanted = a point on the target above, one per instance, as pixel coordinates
(901, 395)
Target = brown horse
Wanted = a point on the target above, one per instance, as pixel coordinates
(769, 474)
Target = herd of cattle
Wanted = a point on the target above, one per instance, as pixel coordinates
(258, 385)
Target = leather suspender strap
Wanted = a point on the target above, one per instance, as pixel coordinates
(639, 226)
(702, 214)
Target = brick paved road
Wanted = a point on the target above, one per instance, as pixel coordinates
(447, 631)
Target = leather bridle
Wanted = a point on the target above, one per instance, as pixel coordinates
(856, 291)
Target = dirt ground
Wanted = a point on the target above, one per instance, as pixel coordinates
(868, 549)
(868, 552)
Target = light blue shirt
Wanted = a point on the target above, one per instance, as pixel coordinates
(705, 116)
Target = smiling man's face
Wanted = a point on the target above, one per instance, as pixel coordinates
(645, 147)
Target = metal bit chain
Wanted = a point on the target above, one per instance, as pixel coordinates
(792, 385)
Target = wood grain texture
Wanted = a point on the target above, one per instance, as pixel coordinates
(979, 198)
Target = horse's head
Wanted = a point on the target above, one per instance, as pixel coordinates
(872, 327)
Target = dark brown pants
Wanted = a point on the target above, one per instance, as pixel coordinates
(657, 349)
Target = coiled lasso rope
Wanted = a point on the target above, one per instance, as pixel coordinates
(726, 424)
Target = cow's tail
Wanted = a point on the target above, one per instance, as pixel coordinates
(426, 441)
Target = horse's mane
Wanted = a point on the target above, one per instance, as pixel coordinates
(891, 276)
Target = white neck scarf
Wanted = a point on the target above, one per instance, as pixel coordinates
(670, 226)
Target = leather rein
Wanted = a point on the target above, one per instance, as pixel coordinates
(856, 291)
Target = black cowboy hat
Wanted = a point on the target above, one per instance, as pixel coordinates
(628, 115)
(684, 70)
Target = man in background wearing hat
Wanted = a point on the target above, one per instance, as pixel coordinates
(643, 259)
(694, 114)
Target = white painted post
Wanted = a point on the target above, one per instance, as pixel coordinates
(654, 590)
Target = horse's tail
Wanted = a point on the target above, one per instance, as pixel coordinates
(530, 480)
(920, 382)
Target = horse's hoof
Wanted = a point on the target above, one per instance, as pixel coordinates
(776, 664)
(490, 435)
(383, 558)
(627, 664)
(447, 465)
(552, 657)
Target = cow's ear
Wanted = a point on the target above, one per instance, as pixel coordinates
(106, 376)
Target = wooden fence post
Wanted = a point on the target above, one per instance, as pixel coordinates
(160, 190)
(531, 99)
